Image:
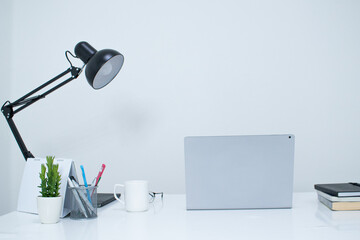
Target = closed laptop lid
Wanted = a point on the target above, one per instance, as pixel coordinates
(239, 172)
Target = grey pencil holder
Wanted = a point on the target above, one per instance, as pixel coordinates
(84, 202)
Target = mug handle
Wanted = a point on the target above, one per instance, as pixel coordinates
(116, 197)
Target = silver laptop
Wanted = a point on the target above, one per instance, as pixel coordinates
(239, 172)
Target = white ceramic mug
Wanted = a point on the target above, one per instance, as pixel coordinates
(136, 195)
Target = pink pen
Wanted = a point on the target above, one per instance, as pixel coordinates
(100, 174)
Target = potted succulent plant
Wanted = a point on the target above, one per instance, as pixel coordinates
(50, 202)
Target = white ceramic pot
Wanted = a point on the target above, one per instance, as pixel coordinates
(49, 208)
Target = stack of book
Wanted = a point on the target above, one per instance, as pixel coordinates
(339, 196)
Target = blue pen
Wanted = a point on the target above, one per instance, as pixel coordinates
(85, 183)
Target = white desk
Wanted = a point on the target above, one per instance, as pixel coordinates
(308, 219)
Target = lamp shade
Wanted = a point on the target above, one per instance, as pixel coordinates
(101, 66)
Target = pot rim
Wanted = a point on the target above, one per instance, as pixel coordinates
(49, 197)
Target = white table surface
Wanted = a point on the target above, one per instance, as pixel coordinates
(308, 219)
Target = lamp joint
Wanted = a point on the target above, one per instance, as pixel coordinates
(7, 110)
(75, 71)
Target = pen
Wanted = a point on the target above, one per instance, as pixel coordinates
(93, 182)
(98, 177)
(93, 185)
(100, 174)
(85, 182)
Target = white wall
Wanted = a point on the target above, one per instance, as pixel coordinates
(192, 68)
(5, 93)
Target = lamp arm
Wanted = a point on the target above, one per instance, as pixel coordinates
(26, 153)
(8, 108)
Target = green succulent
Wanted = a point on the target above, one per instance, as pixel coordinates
(50, 180)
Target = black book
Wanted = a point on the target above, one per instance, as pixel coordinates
(340, 189)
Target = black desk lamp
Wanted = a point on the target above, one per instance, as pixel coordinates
(102, 67)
